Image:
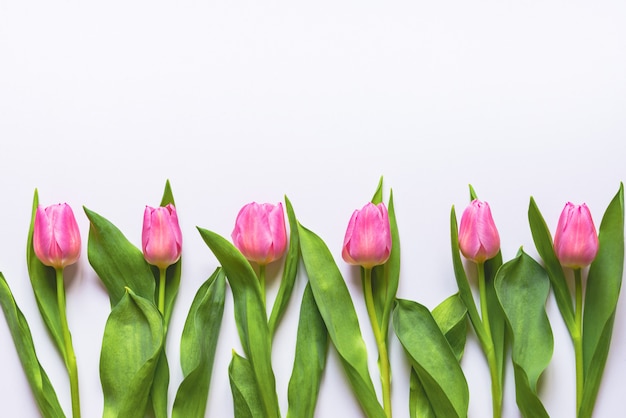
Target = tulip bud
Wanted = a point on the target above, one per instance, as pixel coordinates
(368, 238)
(575, 241)
(161, 237)
(260, 233)
(56, 238)
(478, 237)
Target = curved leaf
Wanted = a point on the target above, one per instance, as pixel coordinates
(602, 291)
(172, 282)
(131, 346)
(432, 358)
(522, 287)
(544, 245)
(117, 262)
(310, 359)
(250, 316)
(289, 272)
(465, 292)
(336, 308)
(247, 400)
(451, 317)
(385, 278)
(43, 281)
(197, 347)
(43, 390)
(160, 385)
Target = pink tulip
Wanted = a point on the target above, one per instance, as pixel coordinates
(162, 239)
(260, 233)
(368, 237)
(478, 237)
(56, 238)
(575, 241)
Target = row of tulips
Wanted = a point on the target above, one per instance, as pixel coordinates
(142, 286)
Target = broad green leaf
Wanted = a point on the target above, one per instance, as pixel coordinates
(131, 346)
(289, 272)
(310, 359)
(43, 390)
(522, 287)
(544, 245)
(250, 316)
(451, 317)
(43, 281)
(432, 358)
(117, 262)
(247, 401)
(336, 308)
(602, 291)
(197, 347)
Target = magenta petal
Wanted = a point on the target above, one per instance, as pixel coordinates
(56, 237)
(478, 236)
(260, 233)
(575, 240)
(368, 238)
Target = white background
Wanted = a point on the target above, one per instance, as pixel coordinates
(101, 102)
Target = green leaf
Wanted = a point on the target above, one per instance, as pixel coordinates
(310, 359)
(247, 401)
(544, 245)
(336, 308)
(289, 272)
(497, 322)
(117, 262)
(131, 346)
(43, 281)
(43, 390)
(465, 292)
(197, 347)
(451, 317)
(250, 316)
(432, 358)
(173, 274)
(160, 386)
(522, 287)
(419, 405)
(602, 291)
(385, 278)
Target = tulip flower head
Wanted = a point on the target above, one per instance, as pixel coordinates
(260, 233)
(368, 238)
(575, 241)
(478, 237)
(56, 238)
(161, 238)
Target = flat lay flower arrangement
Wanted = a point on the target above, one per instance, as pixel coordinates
(508, 316)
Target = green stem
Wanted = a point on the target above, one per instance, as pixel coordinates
(490, 352)
(385, 374)
(70, 357)
(162, 279)
(577, 337)
(262, 282)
